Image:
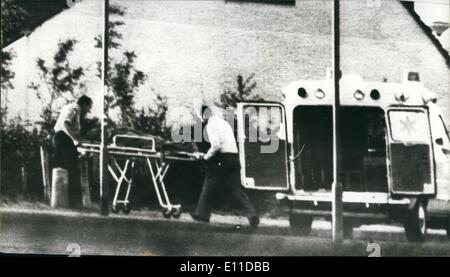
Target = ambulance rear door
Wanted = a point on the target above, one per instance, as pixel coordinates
(410, 152)
(263, 147)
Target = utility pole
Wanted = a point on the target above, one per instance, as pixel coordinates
(104, 184)
(337, 207)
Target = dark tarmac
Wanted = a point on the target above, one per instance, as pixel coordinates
(63, 233)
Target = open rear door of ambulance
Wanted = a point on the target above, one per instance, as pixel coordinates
(263, 146)
(410, 152)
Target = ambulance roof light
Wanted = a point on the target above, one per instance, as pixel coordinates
(359, 95)
(319, 93)
(411, 76)
(375, 94)
(401, 97)
(429, 97)
(302, 92)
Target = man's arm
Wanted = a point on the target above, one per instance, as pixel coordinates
(215, 141)
(70, 117)
(212, 151)
(72, 134)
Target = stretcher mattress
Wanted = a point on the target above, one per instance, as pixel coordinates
(133, 139)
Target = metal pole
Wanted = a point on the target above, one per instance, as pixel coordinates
(45, 174)
(104, 185)
(337, 218)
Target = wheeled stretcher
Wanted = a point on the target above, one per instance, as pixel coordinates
(158, 163)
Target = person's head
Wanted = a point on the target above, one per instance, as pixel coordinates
(206, 113)
(85, 104)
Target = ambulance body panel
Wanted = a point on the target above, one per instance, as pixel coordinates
(394, 152)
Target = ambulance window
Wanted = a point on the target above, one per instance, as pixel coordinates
(409, 126)
(442, 133)
(264, 122)
(444, 128)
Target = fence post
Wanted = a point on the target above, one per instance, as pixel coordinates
(45, 174)
(24, 182)
(84, 180)
(60, 188)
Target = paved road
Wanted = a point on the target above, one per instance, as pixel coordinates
(52, 233)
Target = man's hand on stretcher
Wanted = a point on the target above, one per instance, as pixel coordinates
(198, 155)
(76, 141)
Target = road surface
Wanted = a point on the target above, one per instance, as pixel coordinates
(64, 233)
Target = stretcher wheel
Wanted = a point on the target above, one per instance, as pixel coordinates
(126, 208)
(176, 213)
(167, 213)
(114, 209)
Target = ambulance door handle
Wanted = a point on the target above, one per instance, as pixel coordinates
(440, 142)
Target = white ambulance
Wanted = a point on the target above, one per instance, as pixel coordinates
(395, 153)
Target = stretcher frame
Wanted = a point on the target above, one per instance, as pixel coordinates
(157, 163)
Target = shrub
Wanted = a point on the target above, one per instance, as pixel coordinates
(20, 148)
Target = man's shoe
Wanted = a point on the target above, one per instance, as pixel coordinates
(254, 221)
(197, 217)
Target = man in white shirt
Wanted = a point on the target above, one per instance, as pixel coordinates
(223, 169)
(65, 141)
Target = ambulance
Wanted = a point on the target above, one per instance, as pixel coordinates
(395, 153)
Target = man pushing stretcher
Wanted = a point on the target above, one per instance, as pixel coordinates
(221, 159)
(223, 169)
(66, 139)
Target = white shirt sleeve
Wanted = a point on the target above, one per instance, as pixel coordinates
(69, 114)
(214, 134)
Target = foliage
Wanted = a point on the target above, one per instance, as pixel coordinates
(47, 122)
(153, 121)
(6, 74)
(114, 35)
(58, 81)
(13, 19)
(22, 149)
(122, 77)
(241, 91)
(125, 79)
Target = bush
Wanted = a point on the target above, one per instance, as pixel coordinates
(20, 148)
(153, 121)
(240, 91)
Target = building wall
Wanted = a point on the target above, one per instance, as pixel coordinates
(392, 43)
(191, 49)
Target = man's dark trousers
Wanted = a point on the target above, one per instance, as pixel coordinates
(66, 156)
(223, 173)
